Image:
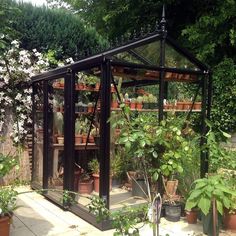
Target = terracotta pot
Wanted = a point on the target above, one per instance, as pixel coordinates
(113, 89)
(168, 75)
(230, 220)
(171, 187)
(97, 86)
(5, 225)
(84, 138)
(78, 138)
(197, 106)
(180, 105)
(187, 105)
(114, 104)
(96, 178)
(60, 140)
(91, 139)
(90, 109)
(132, 105)
(85, 187)
(139, 106)
(191, 216)
(80, 86)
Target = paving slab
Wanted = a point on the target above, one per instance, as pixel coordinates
(39, 217)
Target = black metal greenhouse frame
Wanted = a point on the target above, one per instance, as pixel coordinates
(105, 61)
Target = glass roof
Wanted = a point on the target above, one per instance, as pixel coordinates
(149, 54)
(174, 59)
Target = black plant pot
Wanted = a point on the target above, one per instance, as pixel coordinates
(97, 140)
(139, 188)
(146, 105)
(153, 105)
(207, 223)
(173, 212)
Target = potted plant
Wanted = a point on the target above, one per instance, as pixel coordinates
(114, 102)
(145, 102)
(7, 206)
(229, 216)
(90, 107)
(85, 184)
(58, 126)
(206, 191)
(126, 99)
(152, 101)
(94, 167)
(133, 103)
(7, 194)
(139, 104)
(78, 131)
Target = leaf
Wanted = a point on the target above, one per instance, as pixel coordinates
(226, 134)
(154, 154)
(124, 139)
(128, 145)
(195, 194)
(200, 185)
(226, 202)
(155, 176)
(142, 143)
(219, 207)
(204, 204)
(190, 204)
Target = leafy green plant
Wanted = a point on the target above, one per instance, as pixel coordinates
(7, 162)
(94, 166)
(7, 201)
(206, 190)
(124, 221)
(219, 156)
(59, 122)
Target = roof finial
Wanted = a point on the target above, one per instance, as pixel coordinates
(163, 19)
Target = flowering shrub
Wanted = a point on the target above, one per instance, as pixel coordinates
(16, 68)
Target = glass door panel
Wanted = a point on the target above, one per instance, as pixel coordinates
(37, 171)
(56, 157)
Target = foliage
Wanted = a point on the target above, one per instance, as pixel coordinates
(224, 96)
(8, 15)
(16, 67)
(59, 122)
(57, 30)
(155, 148)
(124, 221)
(207, 189)
(7, 201)
(7, 162)
(94, 166)
(106, 15)
(219, 156)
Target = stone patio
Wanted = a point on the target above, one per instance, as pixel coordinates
(39, 217)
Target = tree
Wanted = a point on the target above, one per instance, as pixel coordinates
(7, 33)
(55, 29)
(213, 39)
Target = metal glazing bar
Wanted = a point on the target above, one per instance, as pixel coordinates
(204, 161)
(45, 135)
(105, 132)
(69, 131)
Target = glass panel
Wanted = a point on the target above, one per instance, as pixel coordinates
(56, 157)
(37, 176)
(87, 135)
(176, 60)
(124, 166)
(129, 57)
(151, 52)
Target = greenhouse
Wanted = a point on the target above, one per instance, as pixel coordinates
(82, 113)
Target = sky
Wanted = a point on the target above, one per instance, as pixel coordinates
(36, 2)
